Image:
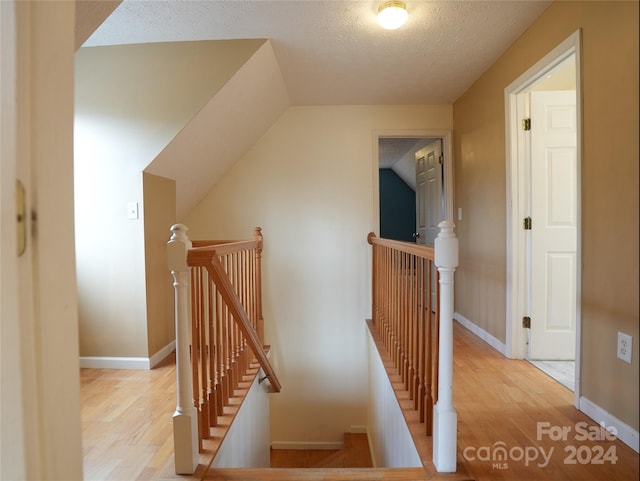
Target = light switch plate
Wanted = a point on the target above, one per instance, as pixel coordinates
(132, 210)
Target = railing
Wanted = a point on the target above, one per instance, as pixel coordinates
(219, 300)
(412, 315)
(405, 315)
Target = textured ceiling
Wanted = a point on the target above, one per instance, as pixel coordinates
(333, 52)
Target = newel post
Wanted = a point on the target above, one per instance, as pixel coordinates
(185, 420)
(445, 418)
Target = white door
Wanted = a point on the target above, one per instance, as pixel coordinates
(429, 200)
(554, 225)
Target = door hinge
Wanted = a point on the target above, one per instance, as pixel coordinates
(21, 218)
(441, 159)
(526, 322)
(526, 124)
(527, 223)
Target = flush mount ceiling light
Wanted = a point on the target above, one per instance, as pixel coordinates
(392, 15)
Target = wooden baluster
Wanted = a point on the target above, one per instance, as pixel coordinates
(396, 310)
(195, 349)
(419, 401)
(388, 299)
(235, 262)
(204, 354)
(401, 320)
(230, 360)
(412, 327)
(220, 390)
(185, 418)
(383, 285)
(257, 235)
(404, 297)
(211, 326)
(224, 343)
(416, 329)
(429, 354)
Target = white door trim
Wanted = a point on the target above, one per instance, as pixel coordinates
(517, 203)
(447, 150)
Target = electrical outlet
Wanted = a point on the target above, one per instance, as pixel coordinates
(624, 347)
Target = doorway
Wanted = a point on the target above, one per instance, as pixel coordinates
(398, 197)
(543, 174)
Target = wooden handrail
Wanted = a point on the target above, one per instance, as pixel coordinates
(219, 276)
(421, 250)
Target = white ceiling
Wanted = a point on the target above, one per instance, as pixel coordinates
(332, 52)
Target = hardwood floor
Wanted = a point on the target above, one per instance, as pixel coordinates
(127, 423)
(510, 403)
(127, 427)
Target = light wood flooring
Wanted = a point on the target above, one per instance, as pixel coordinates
(127, 424)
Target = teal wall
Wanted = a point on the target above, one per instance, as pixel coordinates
(397, 207)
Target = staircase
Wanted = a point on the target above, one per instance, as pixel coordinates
(351, 463)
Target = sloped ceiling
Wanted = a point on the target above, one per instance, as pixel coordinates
(89, 15)
(228, 125)
(181, 110)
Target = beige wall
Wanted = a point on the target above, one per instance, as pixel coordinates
(159, 214)
(609, 297)
(308, 182)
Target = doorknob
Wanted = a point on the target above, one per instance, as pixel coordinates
(416, 235)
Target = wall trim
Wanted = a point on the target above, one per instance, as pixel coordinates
(140, 363)
(358, 430)
(306, 445)
(162, 354)
(481, 333)
(625, 433)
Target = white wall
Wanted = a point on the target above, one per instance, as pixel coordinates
(308, 182)
(390, 441)
(246, 444)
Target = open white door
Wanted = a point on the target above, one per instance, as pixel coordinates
(429, 199)
(554, 213)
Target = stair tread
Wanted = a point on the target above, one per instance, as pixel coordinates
(316, 474)
(329, 474)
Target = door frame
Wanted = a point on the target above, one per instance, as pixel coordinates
(517, 201)
(447, 150)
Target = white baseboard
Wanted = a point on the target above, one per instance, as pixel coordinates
(140, 363)
(482, 334)
(306, 445)
(161, 354)
(624, 432)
